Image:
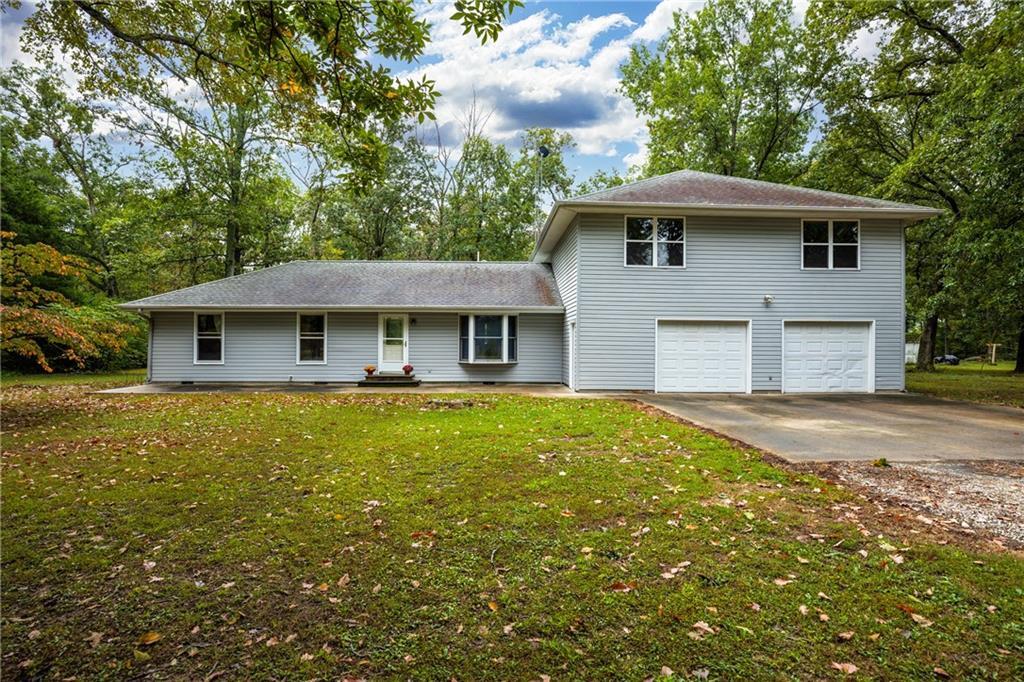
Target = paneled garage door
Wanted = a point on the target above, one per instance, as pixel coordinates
(702, 357)
(825, 357)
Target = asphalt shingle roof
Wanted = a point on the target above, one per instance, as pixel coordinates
(368, 284)
(705, 189)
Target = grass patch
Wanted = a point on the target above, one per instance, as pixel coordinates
(125, 377)
(318, 536)
(975, 382)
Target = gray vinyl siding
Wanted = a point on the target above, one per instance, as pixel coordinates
(731, 263)
(260, 347)
(565, 265)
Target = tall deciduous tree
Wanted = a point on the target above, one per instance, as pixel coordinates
(934, 118)
(729, 90)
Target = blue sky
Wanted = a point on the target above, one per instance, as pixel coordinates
(556, 64)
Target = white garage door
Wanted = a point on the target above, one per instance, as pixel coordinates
(702, 357)
(823, 357)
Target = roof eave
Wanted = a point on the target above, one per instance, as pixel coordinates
(563, 211)
(142, 307)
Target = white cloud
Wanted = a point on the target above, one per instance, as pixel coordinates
(543, 72)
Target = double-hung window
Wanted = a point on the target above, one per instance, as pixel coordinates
(311, 332)
(656, 242)
(488, 338)
(831, 245)
(208, 341)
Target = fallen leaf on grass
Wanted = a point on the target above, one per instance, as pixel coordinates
(34, 634)
(847, 668)
(150, 638)
(781, 582)
(940, 672)
(755, 607)
(306, 657)
(94, 639)
(920, 620)
(804, 610)
(619, 586)
(493, 606)
(846, 636)
(666, 671)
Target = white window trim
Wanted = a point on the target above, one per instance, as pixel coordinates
(472, 338)
(195, 337)
(653, 241)
(830, 244)
(299, 337)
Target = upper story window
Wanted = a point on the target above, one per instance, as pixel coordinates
(488, 338)
(831, 244)
(208, 341)
(656, 242)
(311, 330)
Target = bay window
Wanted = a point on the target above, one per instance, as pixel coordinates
(488, 338)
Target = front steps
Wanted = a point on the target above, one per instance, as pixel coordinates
(390, 380)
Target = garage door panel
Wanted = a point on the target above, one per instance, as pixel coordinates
(702, 357)
(826, 357)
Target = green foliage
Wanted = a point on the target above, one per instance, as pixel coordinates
(729, 90)
(935, 118)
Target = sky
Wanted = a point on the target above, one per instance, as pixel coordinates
(555, 64)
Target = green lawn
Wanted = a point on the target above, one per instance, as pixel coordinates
(318, 536)
(973, 381)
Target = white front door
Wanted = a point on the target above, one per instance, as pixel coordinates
(393, 351)
(827, 357)
(702, 357)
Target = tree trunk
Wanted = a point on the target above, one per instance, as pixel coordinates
(1019, 367)
(926, 349)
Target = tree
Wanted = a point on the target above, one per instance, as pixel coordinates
(934, 118)
(42, 110)
(729, 90)
(42, 324)
(319, 62)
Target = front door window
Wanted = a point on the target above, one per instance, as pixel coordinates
(393, 343)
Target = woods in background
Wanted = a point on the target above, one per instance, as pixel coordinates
(200, 140)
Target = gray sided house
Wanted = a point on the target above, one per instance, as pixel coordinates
(684, 282)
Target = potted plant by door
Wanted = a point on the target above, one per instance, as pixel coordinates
(370, 369)
(407, 369)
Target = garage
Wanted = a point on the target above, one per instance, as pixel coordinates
(827, 357)
(703, 356)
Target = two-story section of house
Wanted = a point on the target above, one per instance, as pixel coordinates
(679, 283)
(692, 282)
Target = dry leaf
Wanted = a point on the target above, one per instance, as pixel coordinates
(802, 560)
(781, 582)
(493, 606)
(306, 657)
(848, 668)
(94, 639)
(666, 671)
(804, 610)
(619, 586)
(920, 620)
(846, 636)
(150, 638)
(823, 617)
(344, 580)
(755, 607)
(940, 672)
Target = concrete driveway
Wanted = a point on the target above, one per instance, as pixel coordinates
(899, 427)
